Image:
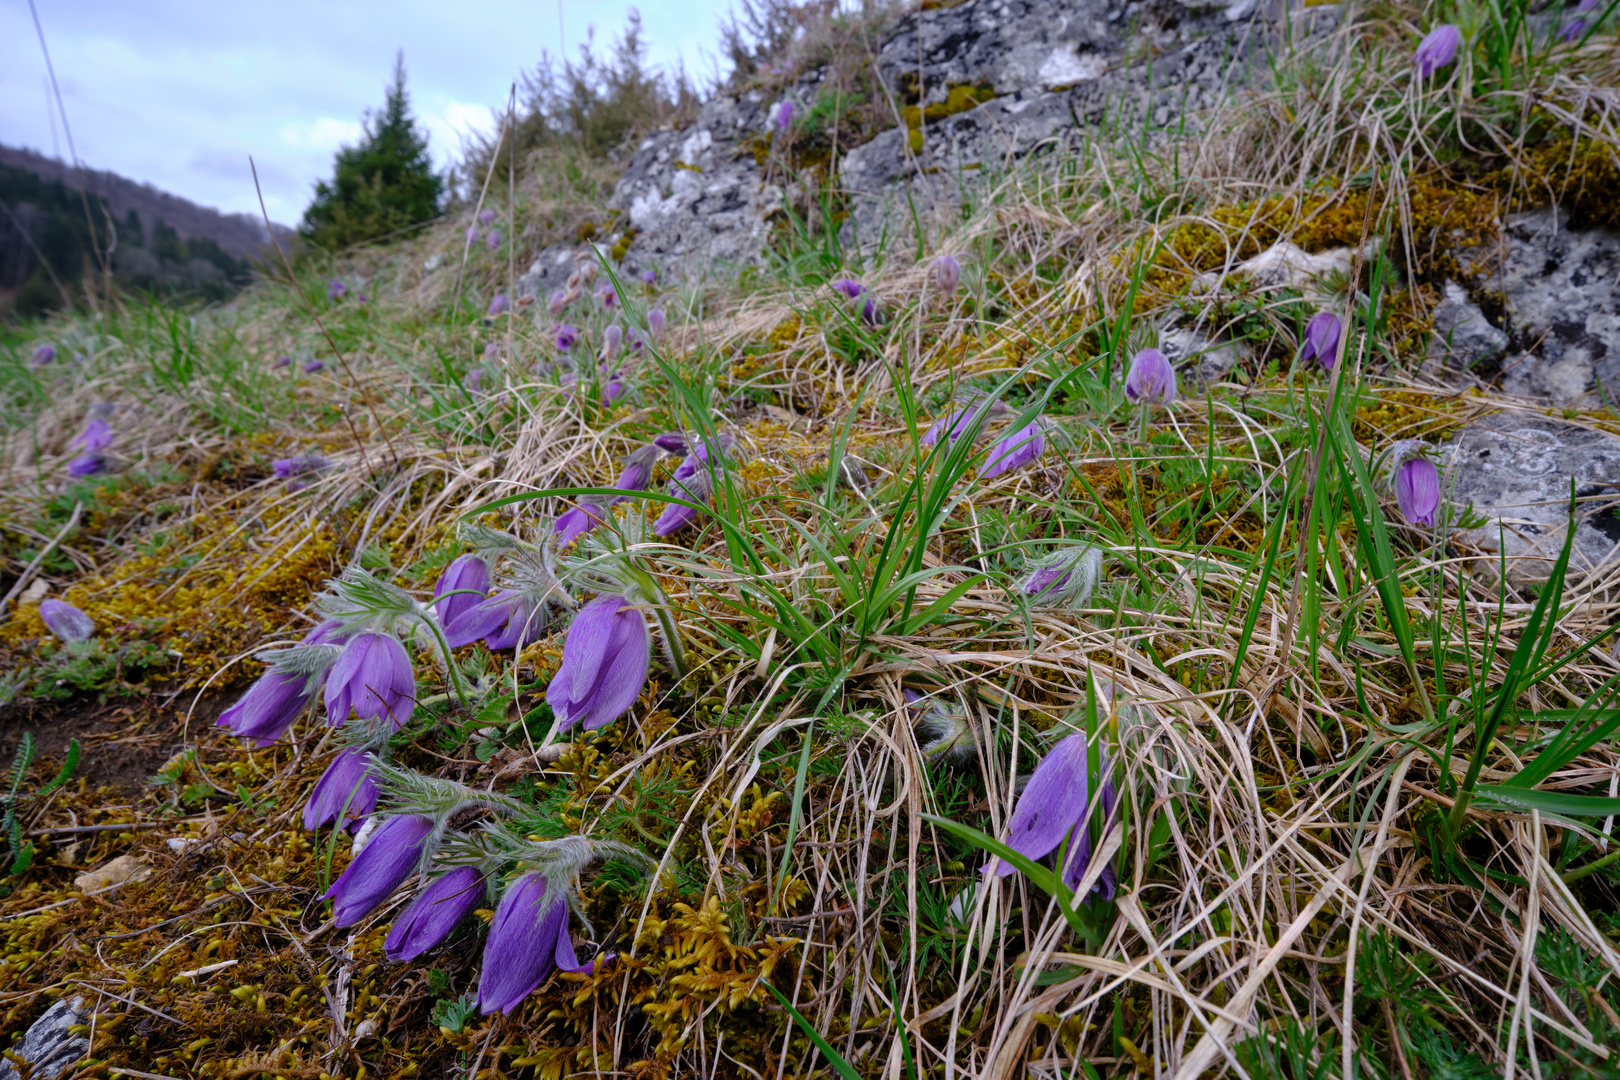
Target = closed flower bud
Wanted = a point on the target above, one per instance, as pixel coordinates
(464, 572)
(947, 273)
(67, 622)
(346, 790)
(87, 465)
(527, 939)
(428, 920)
(373, 679)
(282, 361)
(471, 234)
(655, 321)
(499, 305)
(493, 240)
(393, 853)
(650, 277)
(312, 366)
(1322, 339)
(486, 216)
(558, 301)
(97, 435)
(42, 355)
(1151, 379)
(612, 341)
(605, 659)
(782, 114)
(1064, 578)
(1054, 810)
(1417, 490)
(1022, 447)
(1437, 49)
(284, 468)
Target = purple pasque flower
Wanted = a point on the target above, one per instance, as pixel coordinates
(288, 467)
(1066, 577)
(492, 351)
(346, 790)
(527, 938)
(1015, 451)
(277, 698)
(604, 664)
(782, 114)
(947, 273)
(67, 622)
(335, 289)
(392, 855)
(576, 522)
(499, 304)
(507, 620)
(1437, 49)
(1572, 30)
(558, 301)
(673, 442)
(656, 322)
(282, 361)
(464, 572)
(849, 287)
(471, 233)
(312, 366)
(566, 336)
(1417, 489)
(962, 420)
(612, 341)
(437, 909)
(613, 389)
(1322, 339)
(486, 216)
(96, 436)
(42, 355)
(609, 298)
(1053, 810)
(638, 470)
(493, 240)
(87, 465)
(1151, 379)
(1045, 579)
(372, 679)
(650, 276)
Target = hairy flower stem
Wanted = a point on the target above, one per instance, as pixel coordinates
(644, 590)
(432, 624)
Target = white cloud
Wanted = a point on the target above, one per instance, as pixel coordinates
(323, 133)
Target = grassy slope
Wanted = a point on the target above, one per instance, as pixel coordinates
(1284, 802)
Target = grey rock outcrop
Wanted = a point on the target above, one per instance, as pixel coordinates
(1516, 471)
(48, 1046)
(1558, 287)
(1463, 336)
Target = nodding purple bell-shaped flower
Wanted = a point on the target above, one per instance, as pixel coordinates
(649, 276)
(849, 287)
(41, 356)
(373, 679)
(471, 234)
(1437, 49)
(1322, 339)
(566, 336)
(525, 943)
(962, 420)
(486, 216)
(655, 322)
(558, 301)
(638, 470)
(576, 522)
(782, 114)
(506, 620)
(1417, 490)
(345, 792)
(499, 304)
(609, 298)
(493, 240)
(1151, 378)
(604, 664)
(263, 714)
(464, 572)
(1572, 30)
(612, 341)
(67, 622)
(1022, 447)
(282, 362)
(286, 468)
(613, 389)
(428, 920)
(392, 855)
(335, 290)
(947, 273)
(312, 366)
(96, 437)
(1053, 810)
(86, 465)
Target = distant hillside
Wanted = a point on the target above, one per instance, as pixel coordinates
(160, 242)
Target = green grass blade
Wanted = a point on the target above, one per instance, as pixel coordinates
(842, 1067)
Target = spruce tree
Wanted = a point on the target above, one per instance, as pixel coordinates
(384, 184)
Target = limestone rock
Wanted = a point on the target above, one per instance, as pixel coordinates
(124, 868)
(1463, 336)
(48, 1046)
(1201, 360)
(548, 273)
(1516, 469)
(1558, 286)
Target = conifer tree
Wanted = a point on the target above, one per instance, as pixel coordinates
(384, 184)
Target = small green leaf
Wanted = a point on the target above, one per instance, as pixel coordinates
(1548, 802)
(842, 1067)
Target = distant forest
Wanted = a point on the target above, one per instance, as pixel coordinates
(54, 241)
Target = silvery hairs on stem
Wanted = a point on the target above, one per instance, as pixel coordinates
(369, 734)
(311, 661)
(405, 791)
(560, 861)
(1064, 578)
(943, 728)
(487, 541)
(359, 601)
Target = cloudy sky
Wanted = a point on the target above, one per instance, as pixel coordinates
(178, 93)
